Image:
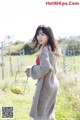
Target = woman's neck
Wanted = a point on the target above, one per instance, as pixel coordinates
(44, 45)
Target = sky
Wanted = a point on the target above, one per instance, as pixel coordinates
(20, 18)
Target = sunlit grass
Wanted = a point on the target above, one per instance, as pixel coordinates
(68, 99)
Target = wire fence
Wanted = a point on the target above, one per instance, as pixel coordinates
(70, 62)
(8, 62)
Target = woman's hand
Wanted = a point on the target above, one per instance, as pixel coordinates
(27, 71)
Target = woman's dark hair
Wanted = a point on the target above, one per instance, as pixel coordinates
(51, 41)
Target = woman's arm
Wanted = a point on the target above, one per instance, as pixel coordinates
(39, 71)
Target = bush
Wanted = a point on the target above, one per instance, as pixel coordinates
(72, 47)
(18, 42)
(28, 49)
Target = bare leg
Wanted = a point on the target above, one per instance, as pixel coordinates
(52, 116)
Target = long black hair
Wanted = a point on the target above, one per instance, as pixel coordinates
(51, 40)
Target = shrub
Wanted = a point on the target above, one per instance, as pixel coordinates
(28, 49)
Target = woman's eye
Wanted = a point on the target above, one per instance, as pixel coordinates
(42, 34)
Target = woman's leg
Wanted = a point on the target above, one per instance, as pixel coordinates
(34, 119)
(52, 116)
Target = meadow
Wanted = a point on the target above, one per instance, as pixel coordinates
(68, 99)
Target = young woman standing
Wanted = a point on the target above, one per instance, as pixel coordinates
(45, 72)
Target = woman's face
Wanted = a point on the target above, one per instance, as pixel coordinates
(42, 38)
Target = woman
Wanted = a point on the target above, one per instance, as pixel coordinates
(45, 72)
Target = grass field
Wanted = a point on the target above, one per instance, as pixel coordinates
(68, 100)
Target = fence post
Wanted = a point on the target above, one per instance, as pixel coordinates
(74, 61)
(23, 55)
(10, 62)
(2, 46)
(64, 55)
(20, 59)
(19, 63)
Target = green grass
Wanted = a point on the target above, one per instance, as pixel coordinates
(68, 99)
(20, 102)
(68, 102)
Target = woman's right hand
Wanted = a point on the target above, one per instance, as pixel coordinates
(27, 71)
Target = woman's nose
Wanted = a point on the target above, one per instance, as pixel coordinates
(39, 36)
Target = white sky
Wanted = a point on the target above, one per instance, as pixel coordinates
(20, 18)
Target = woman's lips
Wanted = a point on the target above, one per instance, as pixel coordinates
(40, 40)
